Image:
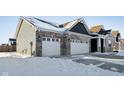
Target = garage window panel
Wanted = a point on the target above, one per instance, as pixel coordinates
(57, 40)
(76, 41)
(71, 40)
(79, 47)
(44, 39)
(48, 39)
(53, 39)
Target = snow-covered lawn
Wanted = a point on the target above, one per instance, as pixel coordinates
(13, 64)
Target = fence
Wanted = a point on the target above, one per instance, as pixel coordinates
(8, 48)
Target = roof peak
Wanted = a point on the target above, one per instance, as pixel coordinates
(40, 24)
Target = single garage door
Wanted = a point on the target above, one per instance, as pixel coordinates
(50, 46)
(79, 47)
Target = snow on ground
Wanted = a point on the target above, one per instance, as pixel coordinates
(105, 53)
(116, 61)
(14, 65)
(120, 53)
(12, 54)
(3, 54)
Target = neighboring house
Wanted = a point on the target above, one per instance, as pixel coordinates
(106, 41)
(101, 42)
(41, 38)
(122, 44)
(116, 40)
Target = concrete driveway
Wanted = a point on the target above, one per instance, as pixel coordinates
(111, 63)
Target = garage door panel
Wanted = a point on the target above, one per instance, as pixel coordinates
(79, 48)
(50, 48)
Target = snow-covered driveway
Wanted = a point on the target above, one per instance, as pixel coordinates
(15, 65)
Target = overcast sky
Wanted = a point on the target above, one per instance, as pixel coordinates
(8, 24)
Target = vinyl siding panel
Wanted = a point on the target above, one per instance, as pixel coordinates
(26, 35)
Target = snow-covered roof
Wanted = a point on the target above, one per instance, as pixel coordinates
(71, 24)
(42, 24)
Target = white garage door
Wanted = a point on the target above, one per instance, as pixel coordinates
(79, 47)
(50, 47)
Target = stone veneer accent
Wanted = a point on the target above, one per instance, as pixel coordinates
(39, 35)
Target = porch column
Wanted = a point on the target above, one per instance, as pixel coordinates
(99, 44)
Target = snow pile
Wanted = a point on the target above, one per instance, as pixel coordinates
(105, 53)
(120, 53)
(12, 54)
(47, 66)
(3, 54)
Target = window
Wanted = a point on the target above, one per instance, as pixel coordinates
(57, 40)
(48, 39)
(53, 39)
(69, 40)
(72, 40)
(38, 37)
(44, 39)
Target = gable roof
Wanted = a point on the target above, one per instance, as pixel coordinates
(70, 24)
(76, 25)
(104, 32)
(96, 29)
(99, 29)
(40, 25)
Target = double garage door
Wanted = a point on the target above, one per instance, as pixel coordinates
(79, 48)
(51, 47)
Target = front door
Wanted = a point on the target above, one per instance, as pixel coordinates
(102, 45)
(94, 45)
